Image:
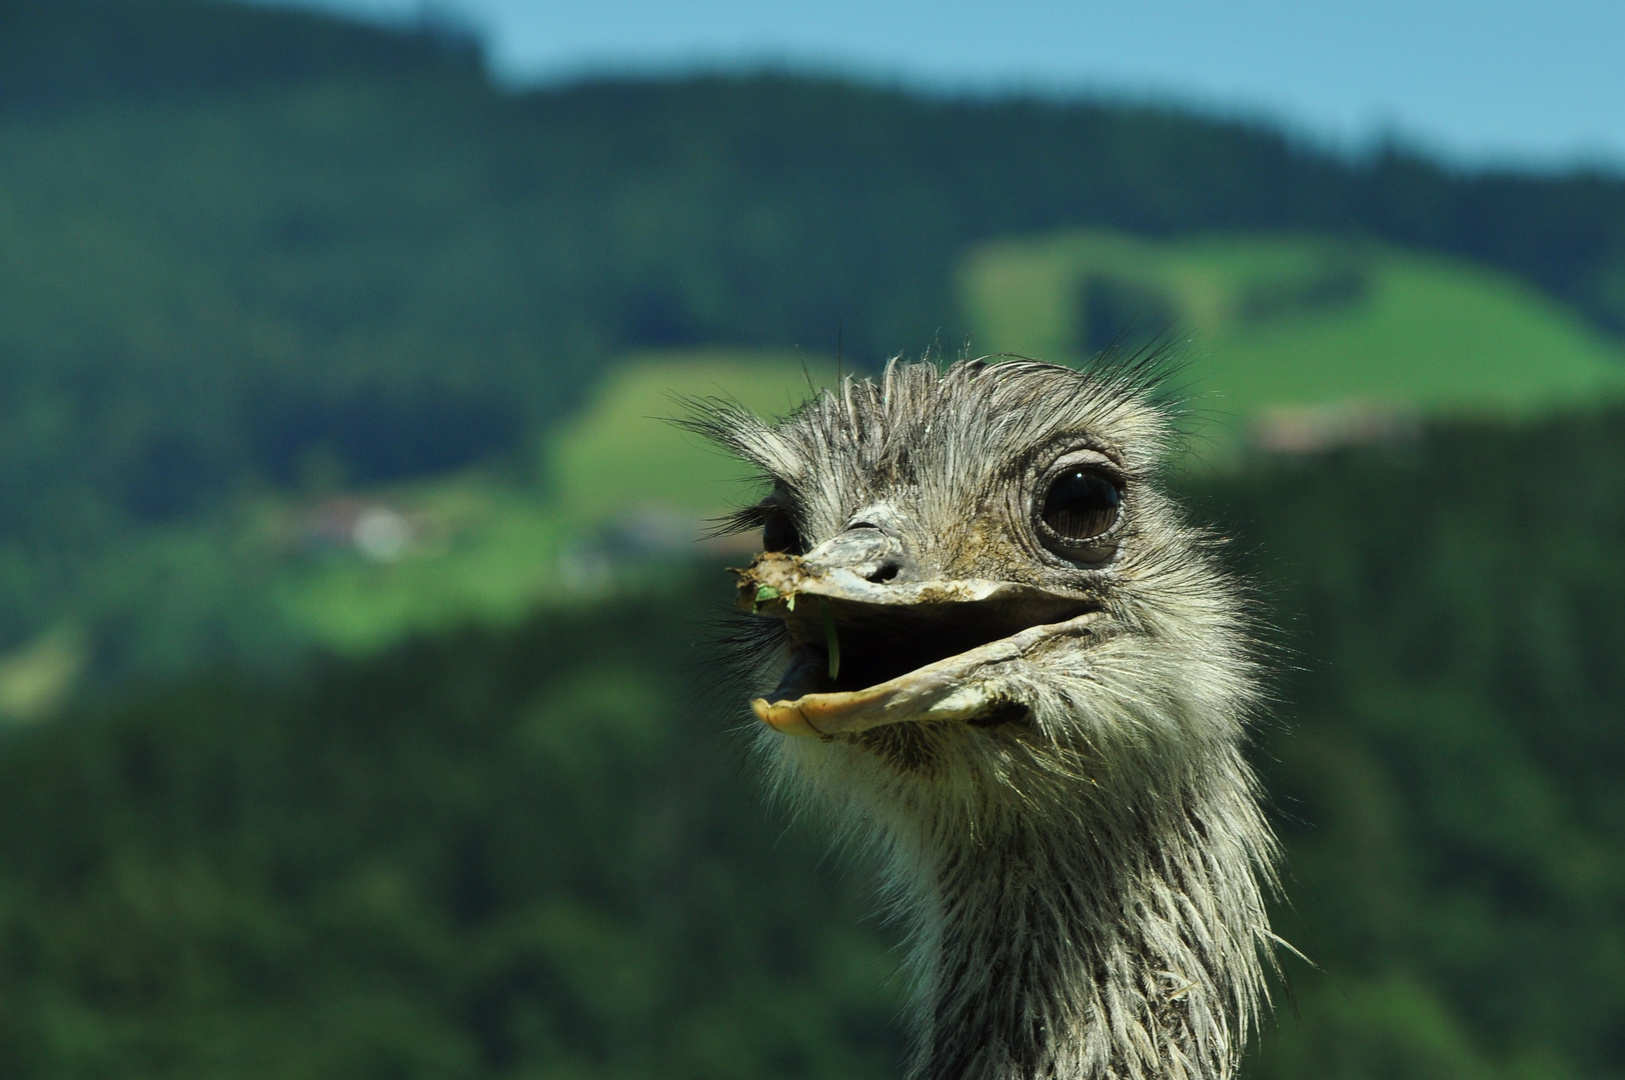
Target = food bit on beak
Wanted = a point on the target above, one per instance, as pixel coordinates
(831, 641)
(771, 578)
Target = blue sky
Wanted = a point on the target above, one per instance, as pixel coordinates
(1477, 80)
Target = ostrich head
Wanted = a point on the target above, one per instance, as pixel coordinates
(993, 645)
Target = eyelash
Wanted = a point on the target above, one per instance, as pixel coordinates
(745, 519)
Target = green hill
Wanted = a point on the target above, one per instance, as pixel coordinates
(257, 257)
(1272, 321)
(243, 245)
(249, 253)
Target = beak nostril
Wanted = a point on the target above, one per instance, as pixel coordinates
(884, 572)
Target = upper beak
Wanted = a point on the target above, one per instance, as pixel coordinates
(868, 567)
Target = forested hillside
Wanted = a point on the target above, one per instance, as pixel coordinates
(542, 853)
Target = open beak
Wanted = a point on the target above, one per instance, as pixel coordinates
(870, 648)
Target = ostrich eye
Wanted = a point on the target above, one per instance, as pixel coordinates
(1081, 504)
(779, 532)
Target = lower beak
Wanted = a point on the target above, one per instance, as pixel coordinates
(959, 687)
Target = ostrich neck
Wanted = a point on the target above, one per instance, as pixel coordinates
(1064, 963)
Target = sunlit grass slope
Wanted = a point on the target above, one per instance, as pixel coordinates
(1284, 320)
(493, 558)
(624, 449)
(493, 551)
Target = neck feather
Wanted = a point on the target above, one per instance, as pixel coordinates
(1125, 948)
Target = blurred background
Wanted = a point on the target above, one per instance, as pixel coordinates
(355, 711)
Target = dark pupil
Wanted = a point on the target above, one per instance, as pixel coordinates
(1081, 505)
(779, 532)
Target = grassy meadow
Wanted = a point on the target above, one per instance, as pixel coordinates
(493, 551)
(1269, 321)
